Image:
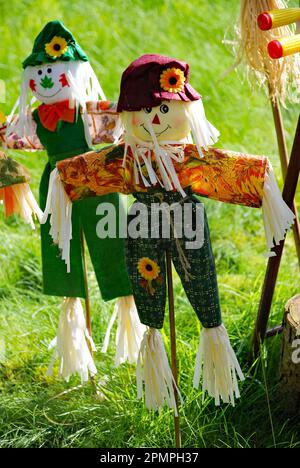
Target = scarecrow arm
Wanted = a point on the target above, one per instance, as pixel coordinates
(225, 175)
(221, 175)
(239, 179)
(94, 173)
(103, 121)
(13, 141)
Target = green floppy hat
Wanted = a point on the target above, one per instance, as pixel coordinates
(55, 42)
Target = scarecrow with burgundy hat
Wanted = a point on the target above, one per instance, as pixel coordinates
(159, 164)
(59, 76)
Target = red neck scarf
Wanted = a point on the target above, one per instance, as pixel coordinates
(50, 114)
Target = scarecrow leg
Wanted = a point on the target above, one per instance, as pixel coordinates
(173, 345)
(288, 195)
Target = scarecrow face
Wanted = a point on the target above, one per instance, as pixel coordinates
(49, 83)
(169, 122)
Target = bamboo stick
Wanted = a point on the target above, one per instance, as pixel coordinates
(173, 346)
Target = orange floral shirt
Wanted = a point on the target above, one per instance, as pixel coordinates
(221, 174)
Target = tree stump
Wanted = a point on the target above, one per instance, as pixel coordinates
(290, 356)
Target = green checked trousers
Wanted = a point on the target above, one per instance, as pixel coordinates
(146, 264)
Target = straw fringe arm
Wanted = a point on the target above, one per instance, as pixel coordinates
(103, 121)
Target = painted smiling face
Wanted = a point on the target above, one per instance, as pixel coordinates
(169, 122)
(49, 83)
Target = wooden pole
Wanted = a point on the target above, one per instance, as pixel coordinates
(173, 346)
(288, 195)
(88, 312)
(86, 287)
(284, 160)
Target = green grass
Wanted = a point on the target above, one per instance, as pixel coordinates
(37, 411)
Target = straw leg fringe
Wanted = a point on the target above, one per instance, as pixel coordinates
(70, 345)
(217, 362)
(154, 375)
(129, 331)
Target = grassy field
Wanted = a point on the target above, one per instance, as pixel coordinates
(37, 411)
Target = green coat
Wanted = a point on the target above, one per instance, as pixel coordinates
(107, 255)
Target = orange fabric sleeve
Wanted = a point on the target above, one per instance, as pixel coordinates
(225, 175)
(221, 174)
(94, 173)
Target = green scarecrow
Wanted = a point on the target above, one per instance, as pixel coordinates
(60, 77)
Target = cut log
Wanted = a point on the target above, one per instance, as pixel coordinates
(290, 357)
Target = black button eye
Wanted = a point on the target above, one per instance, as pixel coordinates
(49, 70)
(148, 110)
(40, 72)
(164, 108)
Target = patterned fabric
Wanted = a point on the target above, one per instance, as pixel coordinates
(147, 266)
(17, 143)
(222, 175)
(11, 172)
(102, 119)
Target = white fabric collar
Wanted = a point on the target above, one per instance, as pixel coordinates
(165, 153)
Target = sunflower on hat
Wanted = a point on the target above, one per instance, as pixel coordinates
(172, 80)
(57, 47)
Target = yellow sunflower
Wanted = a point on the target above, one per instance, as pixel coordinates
(172, 80)
(57, 47)
(148, 269)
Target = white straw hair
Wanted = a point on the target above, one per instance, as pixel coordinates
(204, 133)
(84, 87)
(23, 126)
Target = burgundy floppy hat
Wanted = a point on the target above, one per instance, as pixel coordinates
(152, 78)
